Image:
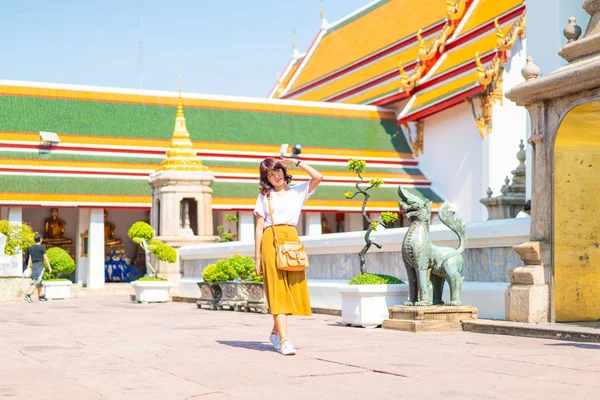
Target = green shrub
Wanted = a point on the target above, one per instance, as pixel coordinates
(165, 252)
(140, 230)
(221, 272)
(234, 268)
(374, 279)
(19, 237)
(60, 261)
(243, 266)
(152, 278)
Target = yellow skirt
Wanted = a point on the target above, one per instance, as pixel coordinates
(286, 291)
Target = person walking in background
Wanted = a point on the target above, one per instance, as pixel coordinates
(286, 291)
(35, 260)
(526, 211)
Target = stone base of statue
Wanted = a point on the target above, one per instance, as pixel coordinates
(429, 318)
(119, 250)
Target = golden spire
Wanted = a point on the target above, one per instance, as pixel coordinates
(181, 156)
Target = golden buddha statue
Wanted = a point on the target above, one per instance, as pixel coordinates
(54, 229)
(109, 231)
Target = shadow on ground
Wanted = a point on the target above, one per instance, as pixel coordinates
(578, 345)
(258, 346)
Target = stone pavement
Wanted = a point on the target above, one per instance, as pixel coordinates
(107, 347)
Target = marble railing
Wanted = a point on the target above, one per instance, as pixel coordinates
(488, 256)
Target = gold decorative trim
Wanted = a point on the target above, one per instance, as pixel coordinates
(84, 244)
(504, 43)
(417, 143)
(455, 10)
(492, 75)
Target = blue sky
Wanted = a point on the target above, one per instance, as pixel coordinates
(233, 47)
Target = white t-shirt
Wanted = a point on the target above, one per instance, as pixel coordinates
(286, 207)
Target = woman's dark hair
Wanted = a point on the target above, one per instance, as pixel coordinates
(37, 237)
(266, 166)
(527, 206)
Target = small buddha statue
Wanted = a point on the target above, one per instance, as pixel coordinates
(109, 231)
(54, 229)
(324, 228)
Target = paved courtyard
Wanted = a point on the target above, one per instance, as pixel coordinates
(107, 347)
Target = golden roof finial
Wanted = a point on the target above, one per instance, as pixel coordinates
(181, 156)
(180, 101)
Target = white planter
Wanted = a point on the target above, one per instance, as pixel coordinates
(57, 289)
(152, 291)
(367, 305)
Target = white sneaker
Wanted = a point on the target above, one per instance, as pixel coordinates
(275, 339)
(287, 348)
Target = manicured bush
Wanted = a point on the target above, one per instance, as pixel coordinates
(140, 230)
(243, 266)
(61, 263)
(234, 268)
(219, 272)
(374, 279)
(142, 233)
(165, 253)
(19, 237)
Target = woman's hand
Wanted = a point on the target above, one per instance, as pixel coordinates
(257, 267)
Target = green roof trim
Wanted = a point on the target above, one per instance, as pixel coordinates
(98, 118)
(140, 187)
(153, 162)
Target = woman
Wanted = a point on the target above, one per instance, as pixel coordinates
(286, 291)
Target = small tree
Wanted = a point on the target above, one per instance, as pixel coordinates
(227, 236)
(143, 234)
(387, 218)
(19, 237)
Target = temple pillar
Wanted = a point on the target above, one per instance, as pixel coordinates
(313, 223)
(246, 226)
(82, 249)
(95, 270)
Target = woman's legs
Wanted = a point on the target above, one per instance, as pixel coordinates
(280, 325)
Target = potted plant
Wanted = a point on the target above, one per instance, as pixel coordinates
(366, 299)
(227, 236)
(55, 286)
(252, 285)
(231, 283)
(151, 288)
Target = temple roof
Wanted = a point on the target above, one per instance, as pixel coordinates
(356, 60)
(112, 139)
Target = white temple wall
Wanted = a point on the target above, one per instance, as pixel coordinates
(509, 124)
(452, 160)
